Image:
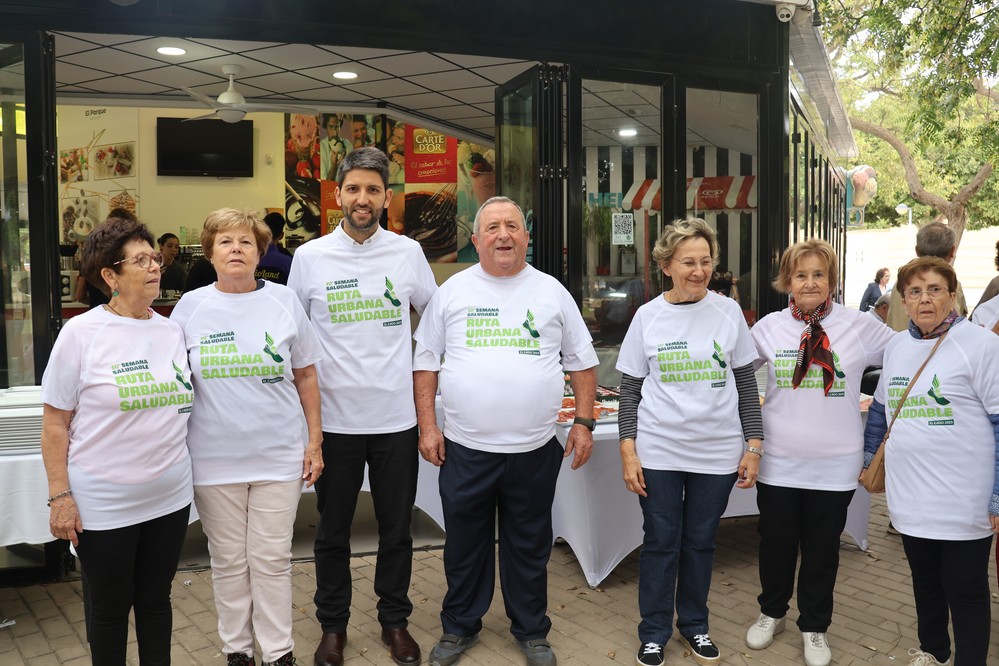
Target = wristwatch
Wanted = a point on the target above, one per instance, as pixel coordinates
(589, 423)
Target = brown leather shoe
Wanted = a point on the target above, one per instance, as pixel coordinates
(404, 649)
(330, 650)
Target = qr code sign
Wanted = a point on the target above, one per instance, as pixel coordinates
(622, 229)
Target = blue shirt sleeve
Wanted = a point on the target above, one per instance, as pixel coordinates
(874, 432)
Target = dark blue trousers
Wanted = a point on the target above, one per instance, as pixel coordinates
(475, 487)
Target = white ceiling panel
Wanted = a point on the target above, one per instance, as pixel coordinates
(296, 56)
(282, 82)
(235, 46)
(116, 62)
(479, 95)
(461, 78)
(361, 53)
(123, 84)
(410, 64)
(331, 93)
(175, 77)
(386, 88)
(103, 38)
(250, 67)
(470, 61)
(421, 100)
(147, 47)
(503, 73)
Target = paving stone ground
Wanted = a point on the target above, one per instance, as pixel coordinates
(873, 623)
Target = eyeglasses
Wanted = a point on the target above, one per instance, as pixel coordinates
(933, 292)
(142, 260)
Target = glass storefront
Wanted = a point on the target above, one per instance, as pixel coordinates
(17, 366)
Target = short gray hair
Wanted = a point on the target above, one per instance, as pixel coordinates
(497, 200)
(935, 239)
(679, 231)
(883, 299)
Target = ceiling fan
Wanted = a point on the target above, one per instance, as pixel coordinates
(231, 106)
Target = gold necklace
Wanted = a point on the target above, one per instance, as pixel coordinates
(111, 307)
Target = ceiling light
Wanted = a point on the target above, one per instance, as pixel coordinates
(628, 132)
(171, 51)
(344, 75)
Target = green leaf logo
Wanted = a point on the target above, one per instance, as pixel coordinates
(935, 392)
(269, 348)
(529, 324)
(839, 373)
(390, 293)
(180, 377)
(719, 354)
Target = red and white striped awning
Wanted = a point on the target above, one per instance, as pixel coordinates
(710, 193)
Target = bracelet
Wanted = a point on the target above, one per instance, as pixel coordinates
(64, 493)
(755, 449)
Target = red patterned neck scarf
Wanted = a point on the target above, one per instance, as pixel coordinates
(814, 347)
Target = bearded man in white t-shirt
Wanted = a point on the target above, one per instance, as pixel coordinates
(508, 333)
(357, 283)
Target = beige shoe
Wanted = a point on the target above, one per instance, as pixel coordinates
(817, 652)
(762, 633)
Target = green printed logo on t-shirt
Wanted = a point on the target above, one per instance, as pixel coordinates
(784, 362)
(220, 358)
(932, 406)
(139, 389)
(484, 330)
(346, 305)
(676, 365)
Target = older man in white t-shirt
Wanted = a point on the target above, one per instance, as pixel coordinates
(507, 333)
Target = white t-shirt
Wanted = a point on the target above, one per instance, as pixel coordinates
(502, 377)
(987, 314)
(128, 383)
(815, 441)
(358, 296)
(248, 424)
(941, 456)
(688, 419)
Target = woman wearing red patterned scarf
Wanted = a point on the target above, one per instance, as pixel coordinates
(816, 351)
(941, 461)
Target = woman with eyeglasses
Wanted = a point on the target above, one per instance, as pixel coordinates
(941, 461)
(255, 435)
(117, 395)
(690, 430)
(816, 351)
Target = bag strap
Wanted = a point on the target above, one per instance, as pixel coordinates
(912, 381)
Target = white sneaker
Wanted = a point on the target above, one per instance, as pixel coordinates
(817, 652)
(920, 658)
(762, 633)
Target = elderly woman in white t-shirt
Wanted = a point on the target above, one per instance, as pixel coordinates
(942, 461)
(255, 433)
(117, 396)
(816, 351)
(690, 430)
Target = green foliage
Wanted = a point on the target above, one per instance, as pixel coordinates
(910, 66)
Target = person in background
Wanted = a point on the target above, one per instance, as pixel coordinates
(942, 462)
(816, 351)
(275, 264)
(875, 289)
(360, 133)
(992, 289)
(91, 294)
(934, 239)
(358, 283)
(115, 455)
(248, 469)
(499, 451)
(172, 275)
(686, 440)
(880, 309)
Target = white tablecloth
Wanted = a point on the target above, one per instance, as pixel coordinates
(593, 511)
(23, 490)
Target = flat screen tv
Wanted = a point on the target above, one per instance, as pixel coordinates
(204, 148)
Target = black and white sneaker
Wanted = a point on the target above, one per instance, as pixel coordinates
(701, 649)
(650, 654)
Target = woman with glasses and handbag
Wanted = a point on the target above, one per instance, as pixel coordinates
(938, 404)
(816, 352)
(117, 396)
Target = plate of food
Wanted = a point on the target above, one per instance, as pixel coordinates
(604, 411)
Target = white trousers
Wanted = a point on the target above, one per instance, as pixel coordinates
(249, 528)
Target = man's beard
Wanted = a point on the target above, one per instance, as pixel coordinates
(376, 216)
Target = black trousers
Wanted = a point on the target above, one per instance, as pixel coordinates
(131, 568)
(793, 519)
(473, 485)
(393, 462)
(951, 578)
